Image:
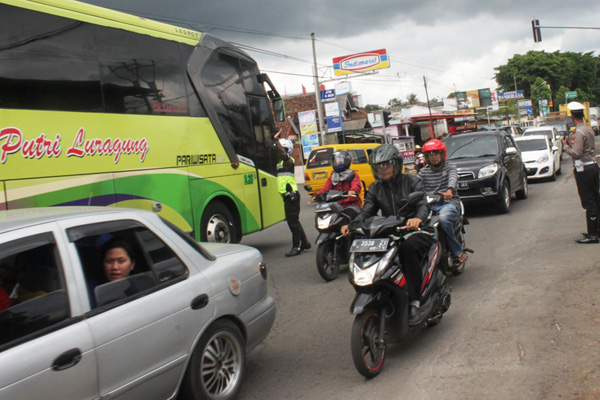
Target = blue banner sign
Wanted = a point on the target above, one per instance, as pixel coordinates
(514, 95)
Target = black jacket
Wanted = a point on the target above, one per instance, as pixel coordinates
(387, 198)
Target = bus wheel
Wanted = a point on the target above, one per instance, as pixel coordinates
(217, 224)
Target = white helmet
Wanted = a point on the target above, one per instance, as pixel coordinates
(287, 145)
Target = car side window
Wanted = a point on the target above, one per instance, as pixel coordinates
(358, 156)
(123, 261)
(33, 298)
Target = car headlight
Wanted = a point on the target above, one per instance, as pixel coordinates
(542, 159)
(488, 170)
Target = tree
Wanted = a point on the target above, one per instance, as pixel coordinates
(412, 99)
(372, 107)
(395, 102)
(540, 91)
(560, 96)
(571, 70)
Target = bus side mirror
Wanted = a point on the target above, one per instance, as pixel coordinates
(279, 109)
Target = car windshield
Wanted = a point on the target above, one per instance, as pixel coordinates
(471, 146)
(532, 145)
(548, 133)
(560, 126)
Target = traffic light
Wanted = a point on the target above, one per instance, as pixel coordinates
(537, 33)
(387, 115)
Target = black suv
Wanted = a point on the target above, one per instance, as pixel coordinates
(490, 168)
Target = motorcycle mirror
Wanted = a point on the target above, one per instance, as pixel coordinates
(308, 188)
(414, 198)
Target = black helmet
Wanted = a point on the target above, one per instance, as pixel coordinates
(340, 160)
(386, 152)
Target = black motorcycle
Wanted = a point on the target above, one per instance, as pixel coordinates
(381, 304)
(333, 248)
(449, 265)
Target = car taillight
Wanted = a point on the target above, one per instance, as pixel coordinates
(306, 177)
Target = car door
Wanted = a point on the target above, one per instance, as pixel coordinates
(46, 347)
(142, 337)
(512, 162)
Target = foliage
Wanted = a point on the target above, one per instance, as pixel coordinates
(395, 102)
(372, 107)
(412, 98)
(539, 91)
(569, 70)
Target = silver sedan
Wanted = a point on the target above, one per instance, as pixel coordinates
(113, 303)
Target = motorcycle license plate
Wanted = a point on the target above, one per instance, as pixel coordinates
(369, 245)
(463, 185)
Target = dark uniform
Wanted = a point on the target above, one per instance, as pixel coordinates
(582, 150)
(287, 187)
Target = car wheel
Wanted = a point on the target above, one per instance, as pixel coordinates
(217, 365)
(503, 204)
(524, 192)
(218, 224)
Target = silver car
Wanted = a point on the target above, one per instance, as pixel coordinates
(113, 303)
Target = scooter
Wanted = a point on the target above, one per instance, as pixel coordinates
(449, 265)
(332, 247)
(381, 304)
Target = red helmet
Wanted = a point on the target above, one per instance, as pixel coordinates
(434, 145)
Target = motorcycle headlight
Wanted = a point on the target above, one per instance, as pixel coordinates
(324, 221)
(542, 159)
(488, 170)
(372, 269)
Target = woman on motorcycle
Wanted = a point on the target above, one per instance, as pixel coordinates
(344, 179)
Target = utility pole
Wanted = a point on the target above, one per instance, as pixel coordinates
(515, 80)
(431, 133)
(317, 91)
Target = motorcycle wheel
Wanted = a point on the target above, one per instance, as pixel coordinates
(327, 266)
(367, 356)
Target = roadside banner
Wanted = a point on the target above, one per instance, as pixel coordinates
(333, 117)
(514, 95)
(308, 131)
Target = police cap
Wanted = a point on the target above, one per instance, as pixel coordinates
(575, 106)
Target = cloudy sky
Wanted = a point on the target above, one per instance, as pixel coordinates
(454, 44)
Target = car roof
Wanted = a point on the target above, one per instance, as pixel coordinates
(530, 137)
(538, 128)
(478, 133)
(24, 217)
(347, 146)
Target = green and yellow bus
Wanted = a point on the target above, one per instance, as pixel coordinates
(103, 108)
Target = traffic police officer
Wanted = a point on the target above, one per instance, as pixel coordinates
(287, 187)
(581, 148)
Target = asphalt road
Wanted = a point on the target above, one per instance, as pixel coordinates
(524, 322)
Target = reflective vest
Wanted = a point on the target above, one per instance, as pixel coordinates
(286, 177)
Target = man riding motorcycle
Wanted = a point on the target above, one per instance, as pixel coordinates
(388, 194)
(344, 179)
(440, 176)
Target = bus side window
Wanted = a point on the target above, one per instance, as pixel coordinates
(47, 63)
(142, 75)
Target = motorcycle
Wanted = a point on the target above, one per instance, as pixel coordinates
(449, 266)
(333, 248)
(381, 303)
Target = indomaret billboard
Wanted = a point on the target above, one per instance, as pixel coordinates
(361, 62)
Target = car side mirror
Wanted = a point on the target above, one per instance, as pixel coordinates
(554, 149)
(511, 151)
